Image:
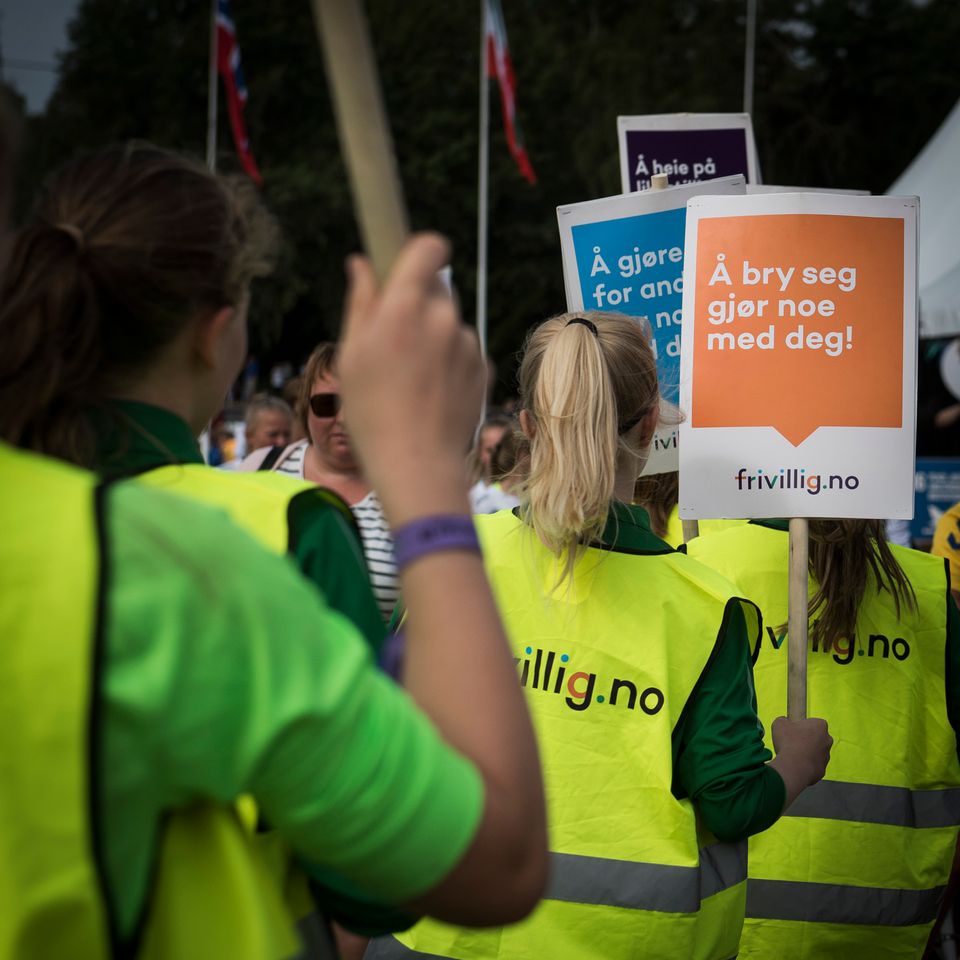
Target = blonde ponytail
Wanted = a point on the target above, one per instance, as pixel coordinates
(585, 381)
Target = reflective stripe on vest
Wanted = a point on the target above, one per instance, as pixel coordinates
(647, 886)
(862, 858)
(609, 661)
(841, 903)
(869, 803)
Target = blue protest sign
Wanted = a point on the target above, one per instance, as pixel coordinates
(634, 265)
(936, 489)
(625, 254)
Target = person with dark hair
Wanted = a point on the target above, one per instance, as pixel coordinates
(139, 264)
(487, 494)
(659, 495)
(195, 666)
(510, 462)
(325, 457)
(497, 437)
(636, 664)
(860, 864)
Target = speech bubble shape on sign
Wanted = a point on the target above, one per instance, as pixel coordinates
(798, 304)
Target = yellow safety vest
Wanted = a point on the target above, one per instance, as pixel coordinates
(857, 866)
(211, 895)
(259, 502)
(608, 661)
(674, 534)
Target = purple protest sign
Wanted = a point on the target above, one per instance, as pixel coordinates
(688, 148)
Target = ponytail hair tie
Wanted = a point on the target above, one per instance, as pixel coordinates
(589, 324)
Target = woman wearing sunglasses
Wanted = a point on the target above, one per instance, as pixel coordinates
(326, 458)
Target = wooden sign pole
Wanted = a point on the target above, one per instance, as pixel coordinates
(362, 125)
(691, 529)
(797, 620)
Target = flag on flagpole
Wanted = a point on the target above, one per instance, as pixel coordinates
(228, 64)
(500, 66)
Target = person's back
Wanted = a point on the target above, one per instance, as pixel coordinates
(610, 663)
(220, 671)
(858, 865)
(191, 877)
(140, 263)
(635, 662)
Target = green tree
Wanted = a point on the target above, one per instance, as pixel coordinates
(847, 92)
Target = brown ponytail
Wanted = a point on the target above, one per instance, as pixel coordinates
(127, 246)
(844, 554)
(658, 494)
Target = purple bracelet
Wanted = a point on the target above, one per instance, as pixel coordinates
(416, 539)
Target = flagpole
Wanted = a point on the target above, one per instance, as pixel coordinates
(748, 56)
(212, 91)
(482, 179)
(204, 438)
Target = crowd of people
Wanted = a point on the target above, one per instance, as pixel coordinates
(580, 751)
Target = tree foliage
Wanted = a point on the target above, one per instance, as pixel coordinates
(847, 92)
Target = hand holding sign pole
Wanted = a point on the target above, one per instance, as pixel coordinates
(798, 369)
(362, 124)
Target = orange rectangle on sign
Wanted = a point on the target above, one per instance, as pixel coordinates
(798, 305)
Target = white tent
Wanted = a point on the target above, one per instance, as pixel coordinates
(933, 177)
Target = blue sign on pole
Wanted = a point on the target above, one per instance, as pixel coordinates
(634, 265)
(625, 255)
(936, 489)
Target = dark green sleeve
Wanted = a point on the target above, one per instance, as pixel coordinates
(348, 905)
(719, 759)
(952, 671)
(328, 550)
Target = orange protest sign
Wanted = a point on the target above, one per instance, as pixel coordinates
(798, 305)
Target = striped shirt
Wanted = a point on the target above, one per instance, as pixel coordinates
(374, 532)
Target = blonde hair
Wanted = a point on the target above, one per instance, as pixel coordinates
(584, 391)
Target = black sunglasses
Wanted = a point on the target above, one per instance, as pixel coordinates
(325, 405)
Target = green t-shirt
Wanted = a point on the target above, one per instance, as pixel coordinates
(136, 437)
(223, 673)
(736, 792)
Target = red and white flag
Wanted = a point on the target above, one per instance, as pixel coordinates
(228, 65)
(500, 66)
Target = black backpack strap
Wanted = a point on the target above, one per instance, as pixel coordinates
(271, 458)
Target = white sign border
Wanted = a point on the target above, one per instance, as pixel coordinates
(892, 449)
(686, 121)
